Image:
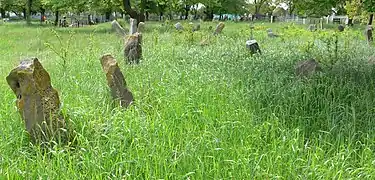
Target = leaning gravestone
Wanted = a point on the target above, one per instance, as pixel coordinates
(179, 26)
(253, 46)
(312, 27)
(141, 27)
(305, 68)
(133, 26)
(116, 80)
(37, 101)
(219, 28)
(368, 34)
(133, 48)
(341, 28)
(117, 28)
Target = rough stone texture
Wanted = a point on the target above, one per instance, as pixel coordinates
(341, 28)
(133, 26)
(219, 28)
(306, 68)
(196, 27)
(133, 48)
(116, 80)
(312, 27)
(37, 101)
(179, 26)
(253, 46)
(117, 28)
(368, 33)
(141, 27)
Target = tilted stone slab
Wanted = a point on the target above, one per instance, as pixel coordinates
(219, 28)
(116, 81)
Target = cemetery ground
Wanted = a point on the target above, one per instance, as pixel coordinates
(200, 112)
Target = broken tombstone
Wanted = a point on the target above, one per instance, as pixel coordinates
(179, 26)
(37, 102)
(117, 28)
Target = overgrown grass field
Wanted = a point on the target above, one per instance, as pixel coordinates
(211, 112)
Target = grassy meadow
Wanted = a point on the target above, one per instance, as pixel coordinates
(211, 112)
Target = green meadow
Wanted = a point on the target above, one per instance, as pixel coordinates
(200, 112)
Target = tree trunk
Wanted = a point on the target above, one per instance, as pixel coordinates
(2, 12)
(24, 13)
(56, 18)
(42, 14)
(147, 15)
(209, 14)
(28, 11)
(161, 16)
(107, 15)
(370, 19)
(140, 17)
(187, 8)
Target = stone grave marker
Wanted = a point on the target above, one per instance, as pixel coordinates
(141, 27)
(133, 26)
(116, 81)
(117, 28)
(312, 27)
(306, 68)
(133, 48)
(37, 102)
(219, 28)
(271, 34)
(253, 46)
(179, 26)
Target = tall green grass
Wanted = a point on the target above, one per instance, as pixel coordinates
(212, 112)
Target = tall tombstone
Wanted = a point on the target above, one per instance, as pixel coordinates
(272, 19)
(179, 26)
(219, 28)
(133, 48)
(116, 80)
(37, 102)
(117, 28)
(368, 34)
(141, 27)
(133, 26)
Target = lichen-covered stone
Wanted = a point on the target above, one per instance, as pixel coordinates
(219, 28)
(133, 48)
(37, 101)
(116, 80)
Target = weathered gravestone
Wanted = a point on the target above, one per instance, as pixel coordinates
(306, 68)
(312, 27)
(341, 28)
(133, 48)
(117, 28)
(253, 46)
(196, 27)
(37, 101)
(271, 34)
(116, 81)
(179, 26)
(133, 26)
(219, 28)
(141, 27)
(368, 34)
